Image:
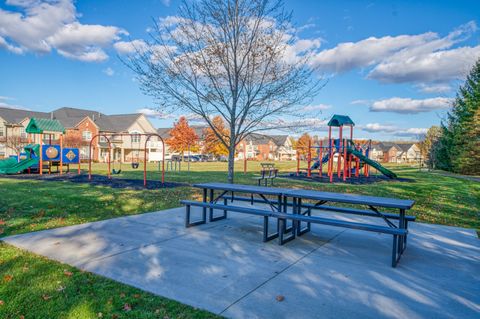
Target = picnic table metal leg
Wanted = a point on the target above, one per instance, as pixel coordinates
(188, 223)
(394, 251)
(266, 235)
(204, 209)
(401, 221)
(282, 239)
(212, 218)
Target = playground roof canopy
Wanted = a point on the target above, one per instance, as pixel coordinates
(340, 120)
(39, 126)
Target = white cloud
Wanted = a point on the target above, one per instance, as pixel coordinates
(4, 102)
(422, 58)
(377, 127)
(166, 2)
(41, 26)
(434, 88)
(412, 132)
(350, 55)
(410, 106)
(318, 107)
(433, 61)
(109, 71)
(153, 113)
(392, 129)
(127, 47)
(437, 66)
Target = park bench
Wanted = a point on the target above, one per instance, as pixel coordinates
(267, 173)
(279, 211)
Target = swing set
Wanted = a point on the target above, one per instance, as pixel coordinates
(135, 159)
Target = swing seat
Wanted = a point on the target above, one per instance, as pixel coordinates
(135, 165)
(115, 172)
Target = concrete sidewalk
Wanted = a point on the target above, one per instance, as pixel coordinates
(224, 267)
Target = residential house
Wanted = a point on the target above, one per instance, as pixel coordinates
(266, 147)
(284, 148)
(12, 125)
(410, 153)
(85, 125)
(397, 152)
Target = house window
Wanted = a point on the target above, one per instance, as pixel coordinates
(2, 130)
(86, 135)
(135, 136)
(23, 133)
(103, 139)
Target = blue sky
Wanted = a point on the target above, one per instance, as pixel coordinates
(393, 66)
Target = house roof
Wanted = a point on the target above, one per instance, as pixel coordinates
(340, 120)
(256, 138)
(279, 140)
(405, 146)
(15, 116)
(119, 123)
(164, 132)
(199, 129)
(38, 126)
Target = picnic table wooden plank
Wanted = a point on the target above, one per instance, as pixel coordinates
(243, 188)
(351, 198)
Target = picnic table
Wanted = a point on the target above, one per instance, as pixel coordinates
(267, 173)
(302, 203)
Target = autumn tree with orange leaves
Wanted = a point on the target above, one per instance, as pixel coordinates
(213, 143)
(302, 144)
(182, 137)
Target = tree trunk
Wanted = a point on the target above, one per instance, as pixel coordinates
(231, 162)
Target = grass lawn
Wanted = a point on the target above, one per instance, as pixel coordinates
(35, 287)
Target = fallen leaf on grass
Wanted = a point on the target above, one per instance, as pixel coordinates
(100, 315)
(136, 296)
(280, 298)
(46, 297)
(67, 273)
(2, 303)
(122, 295)
(7, 278)
(2, 222)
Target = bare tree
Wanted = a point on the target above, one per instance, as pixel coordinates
(16, 143)
(228, 58)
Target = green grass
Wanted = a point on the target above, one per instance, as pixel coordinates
(27, 205)
(35, 287)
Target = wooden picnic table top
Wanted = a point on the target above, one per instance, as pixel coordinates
(351, 198)
(313, 195)
(243, 188)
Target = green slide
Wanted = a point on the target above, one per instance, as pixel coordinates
(11, 166)
(372, 163)
(19, 167)
(7, 162)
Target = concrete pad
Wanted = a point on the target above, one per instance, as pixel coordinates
(224, 267)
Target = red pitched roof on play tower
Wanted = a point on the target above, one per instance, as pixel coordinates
(340, 120)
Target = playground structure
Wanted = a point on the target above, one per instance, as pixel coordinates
(135, 160)
(350, 157)
(36, 154)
